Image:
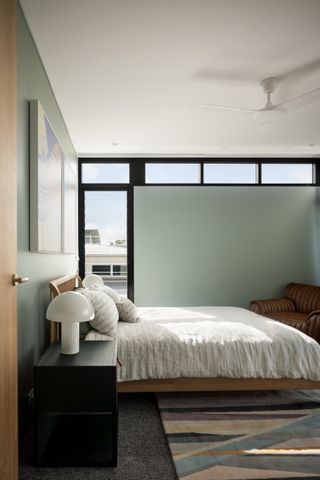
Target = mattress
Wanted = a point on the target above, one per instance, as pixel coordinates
(209, 342)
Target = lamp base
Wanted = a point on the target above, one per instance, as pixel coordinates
(70, 338)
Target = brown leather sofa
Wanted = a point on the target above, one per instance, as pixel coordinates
(299, 308)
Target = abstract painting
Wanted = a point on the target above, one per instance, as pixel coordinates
(46, 160)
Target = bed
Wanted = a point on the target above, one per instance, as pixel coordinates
(207, 349)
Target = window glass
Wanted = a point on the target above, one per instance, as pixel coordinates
(172, 173)
(106, 237)
(101, 269)
(116, 269)
(229, 173)
(287, 173)
(105, 173)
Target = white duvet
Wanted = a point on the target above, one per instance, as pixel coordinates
(171, 342)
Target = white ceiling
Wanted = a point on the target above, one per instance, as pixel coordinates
(125, 73)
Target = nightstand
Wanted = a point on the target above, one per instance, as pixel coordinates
(75, 404)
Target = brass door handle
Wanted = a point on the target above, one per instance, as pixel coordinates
(16, 279)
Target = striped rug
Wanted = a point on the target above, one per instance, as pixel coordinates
(243, 435)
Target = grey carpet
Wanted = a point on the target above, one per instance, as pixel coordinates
(143, 452)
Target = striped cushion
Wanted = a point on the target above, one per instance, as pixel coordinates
(109, 291)
(305, 297)
(106, 315)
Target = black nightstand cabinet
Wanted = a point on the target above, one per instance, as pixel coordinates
(75, 403)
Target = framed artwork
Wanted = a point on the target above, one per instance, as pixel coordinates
(69, 208)
(46, 160)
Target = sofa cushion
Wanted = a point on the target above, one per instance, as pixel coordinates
(305, 297)
(293, 319)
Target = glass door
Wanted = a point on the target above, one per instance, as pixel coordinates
(105, 235)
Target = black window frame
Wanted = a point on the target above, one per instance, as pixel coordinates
(128, 188)
(137, 179)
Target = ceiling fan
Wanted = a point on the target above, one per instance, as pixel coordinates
(268, 86)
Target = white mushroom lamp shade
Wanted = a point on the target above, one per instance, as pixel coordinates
(92, 280)
(70, 308)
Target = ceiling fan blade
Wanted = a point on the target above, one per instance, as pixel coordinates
(301, 71)
(301, 100)
(213, 106)
(226, 77)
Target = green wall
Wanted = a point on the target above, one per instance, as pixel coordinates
(33, 297)
(222, 245)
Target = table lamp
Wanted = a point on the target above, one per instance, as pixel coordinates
(92, 280)
(70, 308)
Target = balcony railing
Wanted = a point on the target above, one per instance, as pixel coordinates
(119, 283)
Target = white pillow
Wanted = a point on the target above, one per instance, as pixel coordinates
(128, 312)
(106, 315)
(109, 291)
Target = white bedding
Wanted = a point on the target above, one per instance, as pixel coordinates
(170, 342)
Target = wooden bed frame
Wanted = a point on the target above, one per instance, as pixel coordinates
(65, 284)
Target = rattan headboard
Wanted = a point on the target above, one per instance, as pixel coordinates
(60, 285)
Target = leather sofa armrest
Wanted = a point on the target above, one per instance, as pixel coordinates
(265, 307)
(312, 325)
(313, 313)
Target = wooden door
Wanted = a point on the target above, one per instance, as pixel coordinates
(8, 243)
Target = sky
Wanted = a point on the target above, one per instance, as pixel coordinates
(107, 212)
